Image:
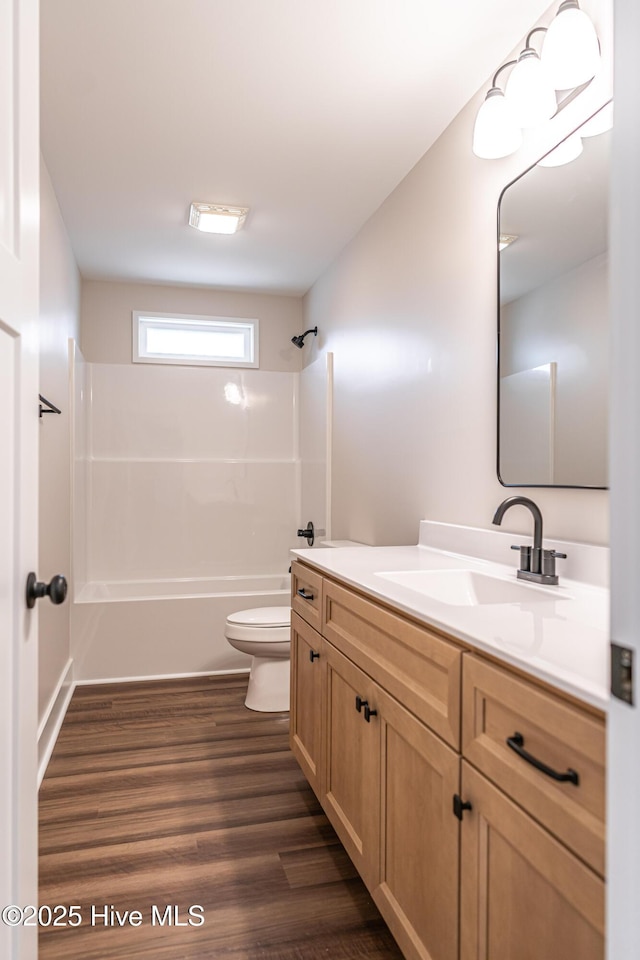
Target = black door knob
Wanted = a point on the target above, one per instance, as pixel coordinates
(56, 590)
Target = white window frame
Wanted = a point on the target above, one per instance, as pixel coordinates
(142, 319)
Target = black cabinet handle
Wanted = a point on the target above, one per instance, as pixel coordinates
(313, 655)
(459, 806)
(360, 703)
(368, 713)
(305, 596)
(516, 742)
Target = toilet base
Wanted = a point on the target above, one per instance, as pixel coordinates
(268, 690)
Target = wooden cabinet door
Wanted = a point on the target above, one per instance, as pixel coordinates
(307, 707)
(419, 882)
(351, 795)
(524, 896)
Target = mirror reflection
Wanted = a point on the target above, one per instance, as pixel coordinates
(553, 341)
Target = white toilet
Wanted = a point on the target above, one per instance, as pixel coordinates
(264, 633)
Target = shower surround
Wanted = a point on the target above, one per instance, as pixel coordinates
(186, 503)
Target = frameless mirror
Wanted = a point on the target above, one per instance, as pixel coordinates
(553, 326)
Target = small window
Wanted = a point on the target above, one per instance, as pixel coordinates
(211, 341)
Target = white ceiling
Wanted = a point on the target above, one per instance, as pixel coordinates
(310, 112)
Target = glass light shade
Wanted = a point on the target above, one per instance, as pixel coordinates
(496, 133)
(599, 123)
(530, 91)
(565, 152)
(571, 51)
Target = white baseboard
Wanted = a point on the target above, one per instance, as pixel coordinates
(161, 676)
(52, 720)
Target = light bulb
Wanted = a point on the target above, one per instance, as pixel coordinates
(571, 51)
(530, 91)
(496, 133)
(565, 152)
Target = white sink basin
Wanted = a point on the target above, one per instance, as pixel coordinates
(468, 588)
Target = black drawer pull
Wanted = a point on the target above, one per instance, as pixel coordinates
(305, 596)
(368, 713)
(360, 703)
(516, 742)
(313, 655)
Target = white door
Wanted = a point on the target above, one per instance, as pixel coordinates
(19, 279)
(623, 755)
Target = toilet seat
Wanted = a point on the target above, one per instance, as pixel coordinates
(262, 625)
(262, 617)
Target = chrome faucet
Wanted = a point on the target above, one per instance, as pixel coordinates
(536, 564)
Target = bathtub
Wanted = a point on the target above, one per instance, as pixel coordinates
(115, 591)
(147, 629)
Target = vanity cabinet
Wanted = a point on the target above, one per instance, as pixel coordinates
(532, 845)
(546, 753)
(391, 722)
(523, 894)
(388, 789)
(307, 696)
(387, 779)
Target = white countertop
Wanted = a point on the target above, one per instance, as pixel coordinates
(563, 640)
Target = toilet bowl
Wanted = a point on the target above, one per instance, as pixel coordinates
(264, 634)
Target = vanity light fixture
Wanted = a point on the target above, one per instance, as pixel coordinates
(570, 57)
(529, 88)
(216, 217)
(496, 132)
(571, 50)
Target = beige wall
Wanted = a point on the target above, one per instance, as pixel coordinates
(409, 311)
(107, 306)
(59, 316)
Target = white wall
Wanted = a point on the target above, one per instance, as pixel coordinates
(59, 320)
(409, 311)
(106, 318)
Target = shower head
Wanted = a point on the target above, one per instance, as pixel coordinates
(299, 340)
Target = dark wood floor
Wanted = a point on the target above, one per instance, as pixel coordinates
(172, 793)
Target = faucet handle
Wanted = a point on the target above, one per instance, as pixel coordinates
(549, 561)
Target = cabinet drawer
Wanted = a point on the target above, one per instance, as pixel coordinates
(496, 708)
(418, 668)
(306, 594)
